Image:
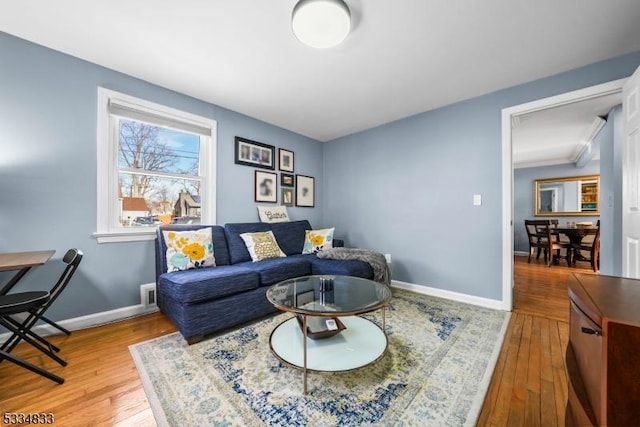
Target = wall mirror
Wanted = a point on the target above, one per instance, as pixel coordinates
(567, 196)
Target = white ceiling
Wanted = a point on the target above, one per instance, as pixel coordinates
(558, 135)
(401, 58)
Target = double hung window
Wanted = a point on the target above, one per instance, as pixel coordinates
(156, 165)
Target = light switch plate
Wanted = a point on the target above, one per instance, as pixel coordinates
(477, 199)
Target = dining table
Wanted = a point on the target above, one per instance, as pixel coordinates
(21, 262)
(575, 236)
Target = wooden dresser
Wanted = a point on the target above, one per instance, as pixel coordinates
(603, 355)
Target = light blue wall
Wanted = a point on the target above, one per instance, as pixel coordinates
(523, 184)
(611, 195)
(406, 188)
(48, 172)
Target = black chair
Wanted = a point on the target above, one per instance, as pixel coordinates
(592, 248)
(23, 302)
(541, 239)
(22, 323)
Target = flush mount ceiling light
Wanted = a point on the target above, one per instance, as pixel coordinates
(321, 23)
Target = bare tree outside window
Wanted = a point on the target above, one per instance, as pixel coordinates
(140, 149)
(156, 166)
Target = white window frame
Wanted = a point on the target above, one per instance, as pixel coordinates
(108, 230)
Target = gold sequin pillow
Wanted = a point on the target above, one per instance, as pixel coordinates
(262, 245)
(189, 249)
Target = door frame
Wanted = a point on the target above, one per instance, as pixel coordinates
(631, 178)
(507, 167)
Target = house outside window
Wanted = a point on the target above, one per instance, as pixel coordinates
(156, 165)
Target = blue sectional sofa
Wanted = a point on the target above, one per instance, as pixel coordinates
(202, 301)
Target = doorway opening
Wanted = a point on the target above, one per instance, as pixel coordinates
(508, 116)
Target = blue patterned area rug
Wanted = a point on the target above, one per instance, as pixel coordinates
(436, 372)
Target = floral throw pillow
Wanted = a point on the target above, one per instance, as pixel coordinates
(189, 249)
(262, 245)
(318, 240)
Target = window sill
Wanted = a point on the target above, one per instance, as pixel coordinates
(125, 236)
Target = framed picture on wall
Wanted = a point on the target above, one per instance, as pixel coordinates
(285, 160)
(254, 153)
(265, 187)
(286, 180)
(287, 196)
(305, 191)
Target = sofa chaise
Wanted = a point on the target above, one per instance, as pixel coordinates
(201, 301)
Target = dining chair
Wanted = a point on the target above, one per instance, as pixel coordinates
(592, 248)
(22, 323)
(542, 240)
(562, 238)
(18, 303)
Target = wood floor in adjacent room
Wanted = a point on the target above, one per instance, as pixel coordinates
(102, 386)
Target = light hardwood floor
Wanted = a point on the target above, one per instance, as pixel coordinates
(529, 383)
(102, 386)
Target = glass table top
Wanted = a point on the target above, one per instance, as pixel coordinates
(329, 295)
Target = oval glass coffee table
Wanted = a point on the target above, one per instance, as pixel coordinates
(306, 342)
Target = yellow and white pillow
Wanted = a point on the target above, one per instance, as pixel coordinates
(189, 249)
(318, 240)
(262, 245)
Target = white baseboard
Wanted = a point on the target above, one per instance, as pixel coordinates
(455, 296)
(90, 320)
(111, 316)
(518, 253)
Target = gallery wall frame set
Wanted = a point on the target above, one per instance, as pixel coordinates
(254, 153)
(265, 186)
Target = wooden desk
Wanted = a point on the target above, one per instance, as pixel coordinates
(21, 261)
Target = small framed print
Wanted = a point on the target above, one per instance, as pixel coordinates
(285, 160)
(287, 196)
(305, 191)
(265, 187)
(286, 180)
(254, 153)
